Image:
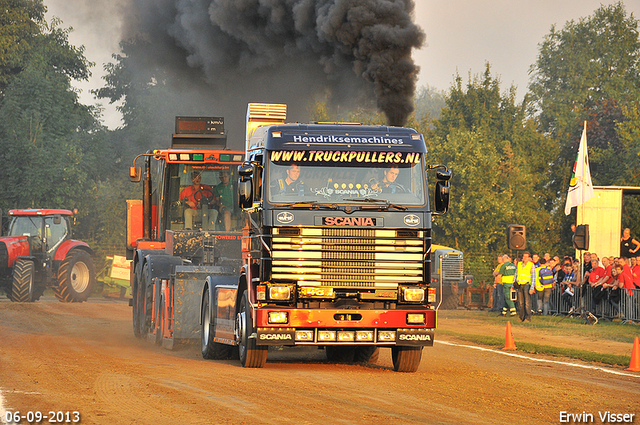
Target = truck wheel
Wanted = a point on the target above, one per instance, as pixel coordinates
(340, 353)
(145, 301)
(210, 349)
(251, 354)
(75, 277)
(135, 302)
(160, 323)
(22, 285)
(406, 359)
(367, 354)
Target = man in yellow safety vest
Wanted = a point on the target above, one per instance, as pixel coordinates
(525, 277)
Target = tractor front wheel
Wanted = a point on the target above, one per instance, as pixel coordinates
(76, 277)
(22, 285)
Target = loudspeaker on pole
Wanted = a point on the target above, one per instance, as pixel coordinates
(580, 238)
(516, 237)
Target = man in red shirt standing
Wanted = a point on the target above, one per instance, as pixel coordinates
(597, 277)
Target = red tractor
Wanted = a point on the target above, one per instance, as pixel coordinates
(38, 252)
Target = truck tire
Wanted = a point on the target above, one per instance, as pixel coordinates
(251, 354)
(76, 277)
(341, 353)
(367, 354)
(211, 349)
(135, 295)
(406, 359)
(145, 301)
(22, 284)
(160, 322)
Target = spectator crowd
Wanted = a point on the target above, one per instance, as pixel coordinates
(524, 286)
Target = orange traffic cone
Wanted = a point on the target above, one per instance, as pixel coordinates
(634, 366)
(508, 341)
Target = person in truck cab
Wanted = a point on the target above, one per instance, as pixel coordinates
(193, 196)
(224, 198)
(290, 184)
(389, 184)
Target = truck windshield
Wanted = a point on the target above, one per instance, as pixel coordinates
(345, 176)
(203, 197)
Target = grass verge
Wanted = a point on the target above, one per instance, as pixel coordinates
(527, 347)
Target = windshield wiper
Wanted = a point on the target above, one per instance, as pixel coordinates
(314, 205)
(384, 201)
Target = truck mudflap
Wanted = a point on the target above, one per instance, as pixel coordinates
(187, 298)
(349, 327)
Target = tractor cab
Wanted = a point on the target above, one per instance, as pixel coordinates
(45, 230)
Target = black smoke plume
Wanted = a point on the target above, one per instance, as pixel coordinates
(289, 51)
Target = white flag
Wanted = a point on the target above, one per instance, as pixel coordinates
(580, 187)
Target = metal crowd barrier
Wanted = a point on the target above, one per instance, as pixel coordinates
(628, 309)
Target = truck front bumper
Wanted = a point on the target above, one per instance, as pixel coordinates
(282, 326)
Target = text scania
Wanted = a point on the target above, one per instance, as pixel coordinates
(349, 221)
(276, 336)
(375, 140)
(414, 337)
(345, 157)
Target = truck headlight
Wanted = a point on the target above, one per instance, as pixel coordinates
(386, 336)
(413, 294)
(279, 292)
(326, 335)
(278, 317)
(416, 319)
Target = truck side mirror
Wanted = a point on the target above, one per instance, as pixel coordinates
(442, 196)
(245, 185)
(135, 174)
(245, 192)
(443, 175)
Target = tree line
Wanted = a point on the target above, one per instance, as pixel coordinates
(511, 158)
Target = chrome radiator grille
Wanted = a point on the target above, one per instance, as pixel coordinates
(347, 258)
(452, 267)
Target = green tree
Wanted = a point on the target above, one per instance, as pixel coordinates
(588, 70)
(499, 161)
(19, 20)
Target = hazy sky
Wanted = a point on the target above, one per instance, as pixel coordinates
(462, 35)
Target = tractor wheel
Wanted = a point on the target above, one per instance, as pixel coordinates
(22, 285)
(135, 294)
(211, 349)
(251, 354)
(341, 353)
(76, 277)
(406, 359)
(367, 354)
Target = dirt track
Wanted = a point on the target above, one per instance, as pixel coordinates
(84, 357)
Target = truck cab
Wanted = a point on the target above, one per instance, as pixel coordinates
(336, 242)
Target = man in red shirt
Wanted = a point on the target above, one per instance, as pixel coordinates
(635, 271)
(597, 276)
(193, 197)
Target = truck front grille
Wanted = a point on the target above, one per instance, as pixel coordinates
(348, 258)
(452, 267)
